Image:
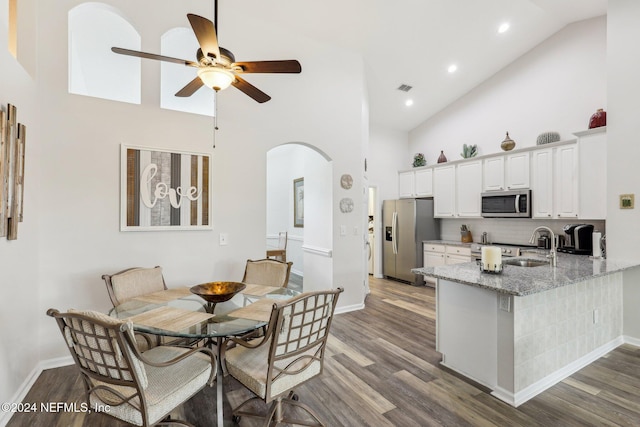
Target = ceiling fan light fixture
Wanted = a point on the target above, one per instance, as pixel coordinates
(216, 78)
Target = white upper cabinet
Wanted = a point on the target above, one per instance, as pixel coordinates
(444, 191)
(424, 182)
(567, 179)
(517, 171)
(493, 172)
(469, 188)
(506, 172)
(418, 183)
(593, 173)
(565, 200)
(406, 184)
(542, 183)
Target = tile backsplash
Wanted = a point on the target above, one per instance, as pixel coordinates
(504, 230)
(564, 327)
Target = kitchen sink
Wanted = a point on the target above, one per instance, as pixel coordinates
(525, 262)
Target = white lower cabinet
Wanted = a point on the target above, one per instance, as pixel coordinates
(435, 255)
(439, 254)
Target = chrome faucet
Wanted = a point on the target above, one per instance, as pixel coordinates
(552, 252)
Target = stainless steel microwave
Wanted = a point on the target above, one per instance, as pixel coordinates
(506, 204)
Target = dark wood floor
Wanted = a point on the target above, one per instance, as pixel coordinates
(382, 370)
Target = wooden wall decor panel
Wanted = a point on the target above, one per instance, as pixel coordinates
(13, 137)
(164, 190)
(4, 165)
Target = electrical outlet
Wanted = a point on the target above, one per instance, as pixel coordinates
(343, 230)
(224, 239)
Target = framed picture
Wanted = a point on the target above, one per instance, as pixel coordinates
(298, 202)
(164, 190)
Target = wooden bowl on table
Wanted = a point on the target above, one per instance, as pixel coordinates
(215, 292)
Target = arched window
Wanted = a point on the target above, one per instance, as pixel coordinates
(182, 43)
(94, 70)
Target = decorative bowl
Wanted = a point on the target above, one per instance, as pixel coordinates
(215, 292)
(547, 137)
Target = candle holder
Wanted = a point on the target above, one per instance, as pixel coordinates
(497, 268)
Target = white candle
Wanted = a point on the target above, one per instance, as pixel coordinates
(491, 258)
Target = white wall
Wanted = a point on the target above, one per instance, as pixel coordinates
(623, 90)
(71, 235)
(554, 87)
(284, 164)
(19, 279)
(388, 153)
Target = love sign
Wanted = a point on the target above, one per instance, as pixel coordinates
(164, 190)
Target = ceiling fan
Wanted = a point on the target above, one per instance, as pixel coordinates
(217, 67)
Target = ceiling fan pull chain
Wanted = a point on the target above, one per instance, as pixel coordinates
(215, 117)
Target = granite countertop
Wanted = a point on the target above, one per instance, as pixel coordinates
(521, 281)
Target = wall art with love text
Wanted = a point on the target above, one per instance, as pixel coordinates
(164, 190)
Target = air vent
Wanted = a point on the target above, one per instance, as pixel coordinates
(405, 88)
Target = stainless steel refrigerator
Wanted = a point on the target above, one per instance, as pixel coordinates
(406, 224)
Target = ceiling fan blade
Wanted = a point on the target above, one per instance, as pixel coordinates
(288, 66)
(190, 88)
(250, 90)
(206, 35)
(146, 55)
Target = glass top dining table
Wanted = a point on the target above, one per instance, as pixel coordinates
(176, 312)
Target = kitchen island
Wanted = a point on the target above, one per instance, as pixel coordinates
(527, 328)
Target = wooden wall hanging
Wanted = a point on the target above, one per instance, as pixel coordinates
(12, 149)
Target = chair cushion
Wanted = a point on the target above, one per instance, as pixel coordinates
(168, 386)
(266, 273)
(249, 366)
(136, 282)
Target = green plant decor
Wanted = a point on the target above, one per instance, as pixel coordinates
(419, 160)
(469, 151)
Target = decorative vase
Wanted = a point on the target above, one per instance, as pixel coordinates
(442, 158)
(547, 137)
(508, 143)
(598, 119)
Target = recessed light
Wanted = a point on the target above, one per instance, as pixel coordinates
(503, 28)
(452, 68)
(408, 102)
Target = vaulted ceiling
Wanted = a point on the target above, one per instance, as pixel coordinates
(414, 42)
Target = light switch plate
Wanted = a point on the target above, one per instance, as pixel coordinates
(224, 239)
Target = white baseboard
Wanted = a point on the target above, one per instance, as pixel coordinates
(297, 272)
(30, 380)
(631, 340)
(550, 380)
(349, 308)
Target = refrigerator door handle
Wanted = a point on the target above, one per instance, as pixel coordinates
(394, 232)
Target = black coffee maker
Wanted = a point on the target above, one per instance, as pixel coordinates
(579, 239)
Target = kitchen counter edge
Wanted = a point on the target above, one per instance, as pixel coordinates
(523, 281)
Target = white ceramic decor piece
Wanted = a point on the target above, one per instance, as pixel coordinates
(346, 205)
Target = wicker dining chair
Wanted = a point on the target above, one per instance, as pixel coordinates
(138, 388)
(267, 272)
(133, 282)
(290, 354)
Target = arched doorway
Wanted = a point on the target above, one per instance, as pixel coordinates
(310, 237)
